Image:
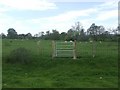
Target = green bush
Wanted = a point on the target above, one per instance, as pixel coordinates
(20, 55)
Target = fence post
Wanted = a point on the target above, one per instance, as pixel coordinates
(53, 49)
(93, 49)
(39, 47)
(74, 50)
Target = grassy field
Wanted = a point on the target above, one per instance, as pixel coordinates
(45, 72)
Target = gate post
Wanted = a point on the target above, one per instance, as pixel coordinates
(74, 50)
(53, 49)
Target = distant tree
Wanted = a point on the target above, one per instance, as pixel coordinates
(28, 36)
(82, 36)
(41, 34)
(48, 32)
(63, 35)
(3, 35)
(92, 30)
(47, 35)
(95, 31)
(36, 35)
(12, 34)
(78, 31)
(107, 33)
(115, 31)
(70, 35)
(100, 33)
(100, 30)
(106, 36)
(55, 35)
(21, 36)
(78, 27)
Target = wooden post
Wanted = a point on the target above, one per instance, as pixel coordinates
(39, 47)
(74, 50)
(93, 49)
(53, 49)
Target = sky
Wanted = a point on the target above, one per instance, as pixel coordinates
(34, 16)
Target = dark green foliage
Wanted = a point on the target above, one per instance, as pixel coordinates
(77, 32)
(20, 55)
(12, 34)
(2, 35)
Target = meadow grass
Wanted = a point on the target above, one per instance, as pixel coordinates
(45, 72)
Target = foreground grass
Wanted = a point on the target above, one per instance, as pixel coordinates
(85, 72)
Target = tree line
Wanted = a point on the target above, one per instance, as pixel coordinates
(76, 32)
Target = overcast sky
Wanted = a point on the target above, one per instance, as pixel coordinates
(35, 16)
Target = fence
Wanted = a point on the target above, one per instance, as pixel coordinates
(64, 49)
(78, 49)
(83, 50)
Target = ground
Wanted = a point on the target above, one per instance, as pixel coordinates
(45, 72)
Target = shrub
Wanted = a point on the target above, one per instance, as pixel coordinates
(20, 55)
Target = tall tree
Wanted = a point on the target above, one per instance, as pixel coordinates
(47, 35)
(21, 36)
(55, 35)
(48, 32)
(95, 31)
(78, 29)
(63, 35)
(82, 36)
(70, 35)
(12, 34)
(92, 30)
(28, 36)
(100, 30)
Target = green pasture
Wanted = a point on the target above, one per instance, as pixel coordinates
(45, 72)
